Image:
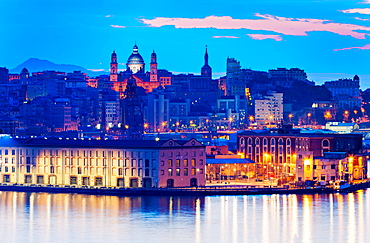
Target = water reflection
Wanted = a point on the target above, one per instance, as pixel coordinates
(36, 217)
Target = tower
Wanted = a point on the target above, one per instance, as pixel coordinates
(153, 68)
(206, 70)
(113, 68)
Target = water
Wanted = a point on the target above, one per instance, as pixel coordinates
(44, 217)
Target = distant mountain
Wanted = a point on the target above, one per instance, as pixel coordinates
(36, 65)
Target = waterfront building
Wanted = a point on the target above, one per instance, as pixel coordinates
(276, 150)
(102, 163)
(332, 166)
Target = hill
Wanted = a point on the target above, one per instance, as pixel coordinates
(36, 65)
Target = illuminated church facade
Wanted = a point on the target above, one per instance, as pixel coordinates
(135, 68)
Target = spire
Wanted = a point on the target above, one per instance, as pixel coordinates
(206, 57)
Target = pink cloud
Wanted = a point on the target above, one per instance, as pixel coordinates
(282, 25)
(362, 19)
(365, 47)
(118, 26)
(263, 37)
(231, 37)
(357, 10)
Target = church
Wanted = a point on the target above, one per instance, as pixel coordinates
(135, 68)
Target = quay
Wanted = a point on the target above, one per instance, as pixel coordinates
(185, 191)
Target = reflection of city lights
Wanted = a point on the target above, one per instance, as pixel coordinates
(309, 114)
(290, 115)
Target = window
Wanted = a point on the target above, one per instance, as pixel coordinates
(13, 152)
(186, 162)
(52, 169)
(98, 181)
(169, 172)
(147, 163)
(79, 170)
(6, 178)
(170, 163)
(6, 168)
(28, 169)
(13, 169)
(162, 172)
(323, 167)
(193, 171)
(146, 172)
(314, 167)
(186, 172)
(193, 162)
(177, 172)
(177, 163)
(332, 167)
(162, 163)
(73, 180)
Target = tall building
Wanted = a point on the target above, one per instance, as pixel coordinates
(4, 75)
(269, 108)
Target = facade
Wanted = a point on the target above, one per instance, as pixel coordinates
(285, 77)
(332, 166)
(102, 163)
(269, 109)
(276, 150)
(346, 92)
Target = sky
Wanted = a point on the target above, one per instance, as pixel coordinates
(328, 39)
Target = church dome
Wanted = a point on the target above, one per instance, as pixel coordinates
(135, 57)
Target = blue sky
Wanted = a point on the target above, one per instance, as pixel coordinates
(261, 34)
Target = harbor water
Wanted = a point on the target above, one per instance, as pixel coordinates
(48, 217)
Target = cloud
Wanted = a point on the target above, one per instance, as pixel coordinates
(118, 26)
(263, 37)
(365, 47)
(109, 16)
(282, 25)
(357, 10)
(362, 19)
(231, 37)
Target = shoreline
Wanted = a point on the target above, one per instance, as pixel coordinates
(199, 191)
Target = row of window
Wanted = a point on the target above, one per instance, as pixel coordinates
(170, 154)
(177, 172)
(84, 153)
(81, 170)
(85, 162)
(185, 162)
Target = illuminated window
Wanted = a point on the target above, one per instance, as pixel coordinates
(169, 172)
(193, 171)
(177, 163)
(186, 172)
(73, 180)
(186, 162)
(170, 163)
(193, 162)
(177, 172)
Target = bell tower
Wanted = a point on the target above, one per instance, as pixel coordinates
(113, 68)
(153, 68)
(206, 70)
